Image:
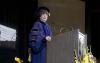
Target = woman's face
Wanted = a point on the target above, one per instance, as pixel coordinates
(44, 17)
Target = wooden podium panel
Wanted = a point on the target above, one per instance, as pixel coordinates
(61, 48)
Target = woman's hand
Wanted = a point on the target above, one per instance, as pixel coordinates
(48, 38)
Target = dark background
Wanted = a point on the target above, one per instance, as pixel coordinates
(92, 25)
(17, 14)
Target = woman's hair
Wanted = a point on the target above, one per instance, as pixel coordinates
(43, 10)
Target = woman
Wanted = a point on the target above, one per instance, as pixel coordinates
(39, 36)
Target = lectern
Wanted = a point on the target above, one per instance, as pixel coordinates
(61, 48)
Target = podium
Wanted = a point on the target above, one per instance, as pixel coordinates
(7, 44)
(61, 48)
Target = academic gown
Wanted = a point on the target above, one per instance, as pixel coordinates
(37, 41)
